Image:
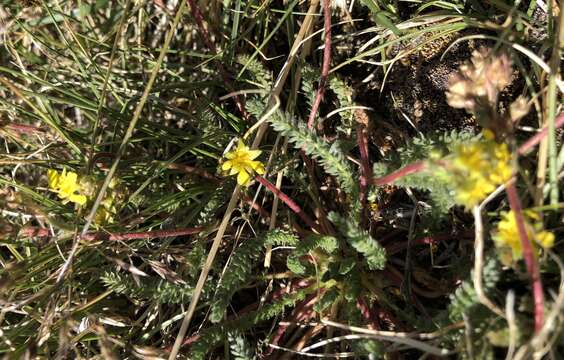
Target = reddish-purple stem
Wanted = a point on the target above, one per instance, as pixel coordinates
(22, 128)
(257, 207)
(367, 313)
(325, 66)
(412, 168)
(366, 172)
(197, 15)
(528, 255)
(40, 232)
(419, 165)
(302, 312)
(536, 139)
(289, 202)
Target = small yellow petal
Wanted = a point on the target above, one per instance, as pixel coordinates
(545, 239)
(241, 146)
(259, 168)
(71, 177)
(243, 178)
(253, 154)
(53, 178)
(233, 171)
(78, 199)
(227, 165)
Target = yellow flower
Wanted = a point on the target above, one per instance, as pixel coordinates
(507, 234)
(241, 161)
(66, 186)
(477, 168)
(545, 239)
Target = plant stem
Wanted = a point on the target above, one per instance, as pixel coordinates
(551, 99)
(288, 201)
(325, 66)
(366, 173)
(409, 169)
(528, 255)
(42, 232)
(536, 139)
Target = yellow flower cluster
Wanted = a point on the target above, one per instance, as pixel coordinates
(71, 188)
(477, 168)
(241, 162)
(66, 186)
(507, 234)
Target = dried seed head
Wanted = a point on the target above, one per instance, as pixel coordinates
(460, 93)
(479, 81)
(519, 108)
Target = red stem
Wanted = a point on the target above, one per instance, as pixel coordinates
(22, 128)
(257, 207)
(419, 165)
(40, 232)
(528, 255)
(367, 314)
(366, 172)
(197, 15)
(536, 139)
(289, 202)
(302, 312)
(409, 169)
(325, 67)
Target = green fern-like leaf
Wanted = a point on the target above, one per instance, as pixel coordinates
(330, 157)
(271, 310)
(210, 338)
(240, 349)
(214, 201)
(256, 106)
(466, 306)
(259, 73)
(309, 77)
(323, 242)
(237, 274)
(279, 237)
(464, 300)
(149, 289)
(344, 95)
(361, 241)
(239, 270)
(207, 341)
